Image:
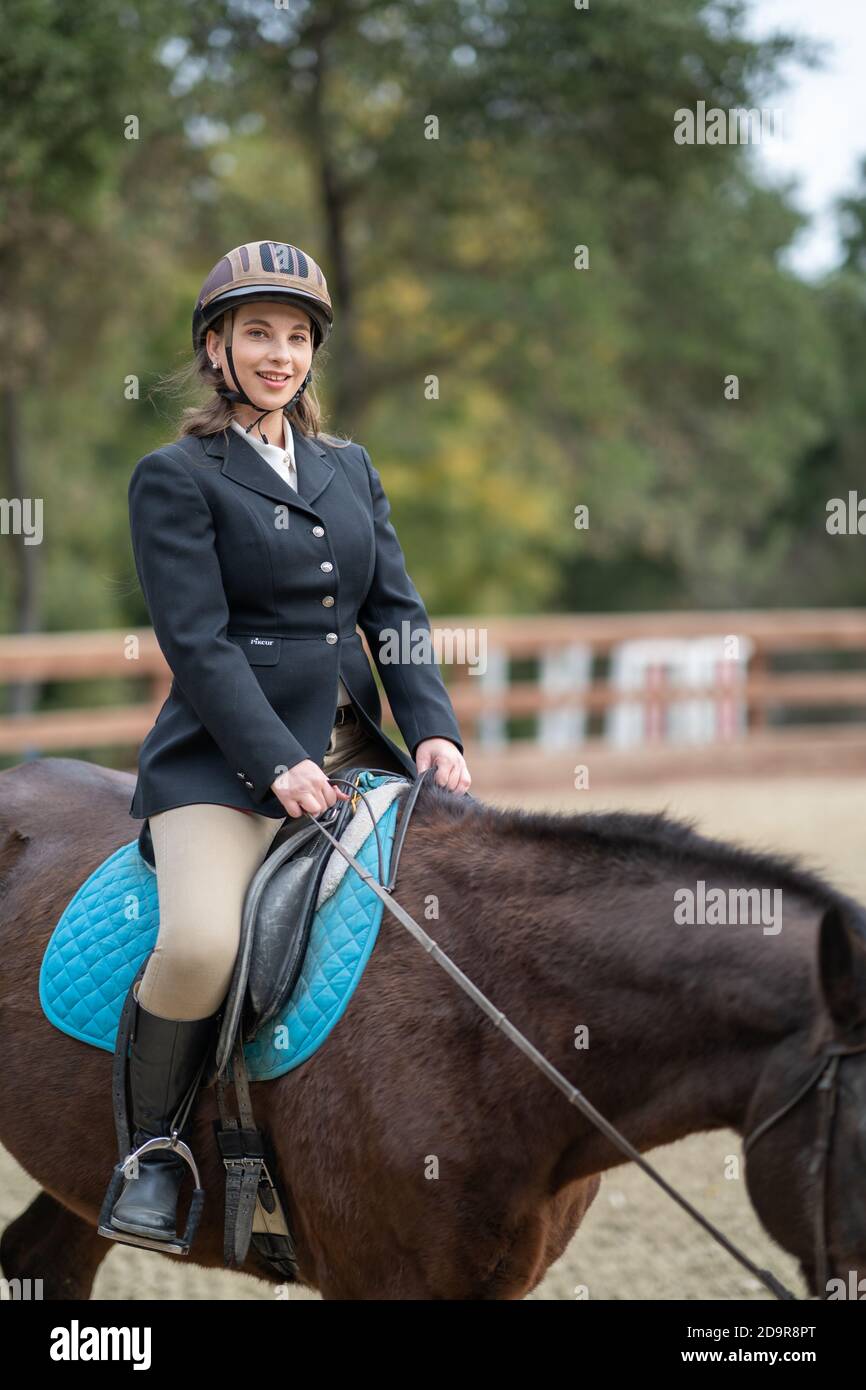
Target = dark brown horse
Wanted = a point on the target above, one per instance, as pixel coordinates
(421, 1153)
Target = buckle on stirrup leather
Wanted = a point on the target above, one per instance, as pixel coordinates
(248, 1184)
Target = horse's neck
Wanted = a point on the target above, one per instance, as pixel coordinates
(664, 1028)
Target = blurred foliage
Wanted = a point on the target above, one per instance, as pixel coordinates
(450, 258)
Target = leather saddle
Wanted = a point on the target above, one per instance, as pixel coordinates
(277, 917)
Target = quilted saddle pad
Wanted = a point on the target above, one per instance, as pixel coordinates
(111, 924)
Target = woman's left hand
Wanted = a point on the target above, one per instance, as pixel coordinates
(451, 770)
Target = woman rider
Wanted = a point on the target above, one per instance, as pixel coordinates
(260, 544)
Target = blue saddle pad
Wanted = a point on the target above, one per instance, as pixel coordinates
(111, 924)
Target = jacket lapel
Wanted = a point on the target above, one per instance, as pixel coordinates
(245, 465)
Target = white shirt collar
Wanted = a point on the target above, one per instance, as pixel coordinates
(274, 454)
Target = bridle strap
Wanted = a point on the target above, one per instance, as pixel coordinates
(825, 1074)
(819, 1166)
(823, 1063)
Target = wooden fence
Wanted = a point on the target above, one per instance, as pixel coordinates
(539, 698)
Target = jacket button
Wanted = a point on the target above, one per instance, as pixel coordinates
(330, 637)
(326, 566)
(242, 776)
(248, 784)
(328, 600)
(318, 530)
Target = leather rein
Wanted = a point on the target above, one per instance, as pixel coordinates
(824, 1073)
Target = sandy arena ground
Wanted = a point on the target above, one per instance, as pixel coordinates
(635, 1243)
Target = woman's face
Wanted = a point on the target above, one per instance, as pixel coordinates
(270, 340)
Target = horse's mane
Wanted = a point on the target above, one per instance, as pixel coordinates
(646, 841)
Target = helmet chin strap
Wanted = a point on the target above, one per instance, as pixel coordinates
(240, 396)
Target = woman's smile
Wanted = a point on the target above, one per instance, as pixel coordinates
(276, 380)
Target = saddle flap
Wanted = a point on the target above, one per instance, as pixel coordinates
(283, 921)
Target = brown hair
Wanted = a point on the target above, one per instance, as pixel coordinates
(215, 414)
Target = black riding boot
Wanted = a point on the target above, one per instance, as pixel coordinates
(165, 1058)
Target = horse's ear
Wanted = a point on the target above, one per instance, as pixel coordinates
(842, 968)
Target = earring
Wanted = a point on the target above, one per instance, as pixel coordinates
(214, 365)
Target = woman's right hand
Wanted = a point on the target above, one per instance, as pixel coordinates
(305, 788)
